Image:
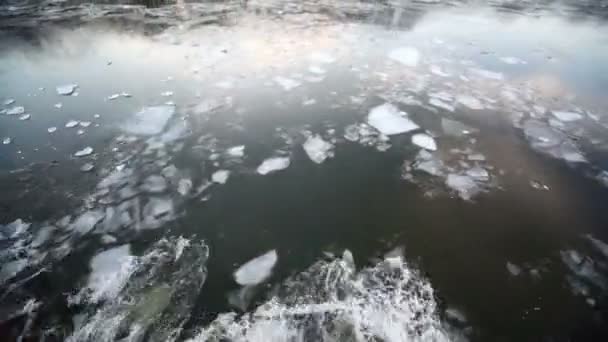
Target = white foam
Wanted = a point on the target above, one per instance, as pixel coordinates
(256, 270)
(389, 120)
(220, 176)
(149, 120)
(408, 56)
(66, 89)
(286, 83)
(425, 141)
(110, 271)
(566, 116)
(273, 164)
(318, 149)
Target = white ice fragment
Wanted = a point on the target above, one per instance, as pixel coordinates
(110, 271)
(8, 102)
(87, 167)
(493, 75)
(465, 186)
(157, 211)
(476, 157)
(387, 119)
(512, 60)
(25, 117)
(425, 141)
(17, 110)
(256, 270)
(236, 151)
(51, 129)
(165, 93)
(470, 102)
(566, 116)
(220, 176)
(309, 102)
(86, 222)
(273, 164)
(71, 124)
(441, 104)
(66, 89)
(84, 152)
(7, 140)
(286, 83)
(408, 56)
(318, 149)
(42, 236)
(180, 244)
(478, 173)
(149, 120)
(85, 123)
(107, 239)
(154, 184)
(113, 97)
(58, 105)
(184, 186)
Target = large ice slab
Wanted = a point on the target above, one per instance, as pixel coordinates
(149, 120)
(256, 270)
(389, 120)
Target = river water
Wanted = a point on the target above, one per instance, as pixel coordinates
(303, 171)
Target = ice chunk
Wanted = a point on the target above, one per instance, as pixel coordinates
(71, 124)
(465, 186)
(7, 140)
(476, 157)
(51, 129)
(66, 89)
(236, 151)
(58, 105)
(86, 222)
(469, 101)
(149, 120)
(425, 141)
(512, 60)
(566, 116)
(493, 75)
(85, 123)
(17, 110)
(84, 152)
(286, 83)
(478, 173)
(87, 167)
(184, 186)
(25, 117)
(433, 101)
(513, 269)
(273, 164)
(8, 102)
(220, 176)
(541, 135)
(154, 184)
(107, 239)
(387, 119)
(318, 149)
(110, 271)
(408, 56)
(113, 97)
(256, 270)
(432, 166)
(180, 244)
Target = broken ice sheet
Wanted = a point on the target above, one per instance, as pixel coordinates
(184, 186)
(318, 149)
(220, 176)
(256, 270)
(113, 97)
(513, 269)
(389, 120)
(425, 141)
(84, 152)
(273, 164)
(66, 89)
(149, 120)
(408, 56)
(286, 83)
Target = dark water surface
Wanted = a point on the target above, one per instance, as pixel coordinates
(405, 170)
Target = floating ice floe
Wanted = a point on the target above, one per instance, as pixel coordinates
(220, 176)
(8, 102)
(58, 105)
(425, 141)
(157, 211)
(51, 129)
(429, 163)
(599, 245)
(149, 120)
(7, 140)
(465, 186)
(389, 120)
(85, 123)
(113, 97)
(84, 152)
(513, 269)
(318, 149)
(184, 186)
(10, 269)
(273, 164)
(67, 89)
(236, 151)
(286, 83)
(566, 116)
(555, 143)
(25, 117)
(87, 167)
(256, 270)
(17, 110)
(408, 56)
(71, 124)
(470, 102)
(14, 229)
